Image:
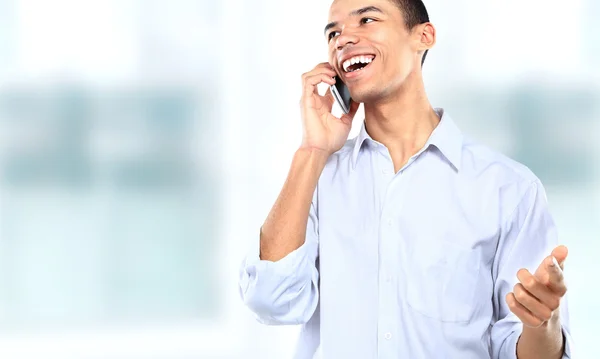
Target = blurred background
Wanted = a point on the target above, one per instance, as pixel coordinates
(143, 142)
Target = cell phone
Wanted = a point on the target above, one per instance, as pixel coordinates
(341, 94)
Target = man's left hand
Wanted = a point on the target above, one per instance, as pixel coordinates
(536, 299)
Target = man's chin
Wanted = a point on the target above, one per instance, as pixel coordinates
(367, 97)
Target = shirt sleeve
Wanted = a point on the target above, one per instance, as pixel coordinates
(526, 239)
(286, 291)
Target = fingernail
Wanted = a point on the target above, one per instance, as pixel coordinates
(554, 262)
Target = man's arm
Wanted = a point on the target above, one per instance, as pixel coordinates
(285, 227)
(324, 134)
(280, 283)
(536, 301)
(545, 342)
(528, 237)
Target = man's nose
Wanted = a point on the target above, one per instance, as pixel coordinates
(346, 38)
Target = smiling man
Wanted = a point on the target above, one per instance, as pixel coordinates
(410, 240)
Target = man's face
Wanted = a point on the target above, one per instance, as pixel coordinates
(373, 33)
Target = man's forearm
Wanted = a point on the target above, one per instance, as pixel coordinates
(545, 342)
(285, 228)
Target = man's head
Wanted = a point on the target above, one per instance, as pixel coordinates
(389, 38)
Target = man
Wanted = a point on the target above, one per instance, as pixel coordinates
(409, 241)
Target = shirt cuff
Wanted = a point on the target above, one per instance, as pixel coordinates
(286, 266)
(253, 267)
(568, 344)
(509, 349)
(267, 287)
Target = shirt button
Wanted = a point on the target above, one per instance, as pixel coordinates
(386, 172)
(388, 278)
(389, 221)
(388, 336)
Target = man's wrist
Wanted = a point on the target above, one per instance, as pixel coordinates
(548, 336)
(549, 327)
(314, 151)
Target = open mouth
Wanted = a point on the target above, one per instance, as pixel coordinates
(357, 63)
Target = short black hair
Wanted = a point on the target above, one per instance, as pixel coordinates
(415, 13)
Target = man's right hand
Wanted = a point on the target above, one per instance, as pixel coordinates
(322, 130)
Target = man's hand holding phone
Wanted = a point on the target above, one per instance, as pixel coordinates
(322, 130)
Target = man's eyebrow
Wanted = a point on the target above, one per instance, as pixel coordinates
(329, 26)
(366, 9)
(356, 12)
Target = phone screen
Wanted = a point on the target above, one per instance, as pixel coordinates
(341, 94)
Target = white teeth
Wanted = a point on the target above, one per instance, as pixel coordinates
(347, 64)
(356, 60)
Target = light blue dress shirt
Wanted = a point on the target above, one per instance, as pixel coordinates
(413, 264)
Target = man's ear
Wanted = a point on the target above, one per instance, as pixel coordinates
(426, 35)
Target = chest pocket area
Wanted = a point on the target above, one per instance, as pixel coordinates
(443, 280)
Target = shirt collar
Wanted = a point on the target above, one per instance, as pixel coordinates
(447, 137)
(360, 139)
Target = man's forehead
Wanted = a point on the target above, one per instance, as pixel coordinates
(344, 7)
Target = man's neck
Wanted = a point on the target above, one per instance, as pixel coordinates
(402, 122)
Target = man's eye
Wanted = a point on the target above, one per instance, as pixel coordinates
(366, 20)
(332, 35)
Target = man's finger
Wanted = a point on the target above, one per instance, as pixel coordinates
(320, 69)
(329, 96)
(532, 304)
(550, 275)
(560, 253)
(521, 312)
(556, 279)
(544, 294)
(318, 78)
(325, 64)
(311, 82)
